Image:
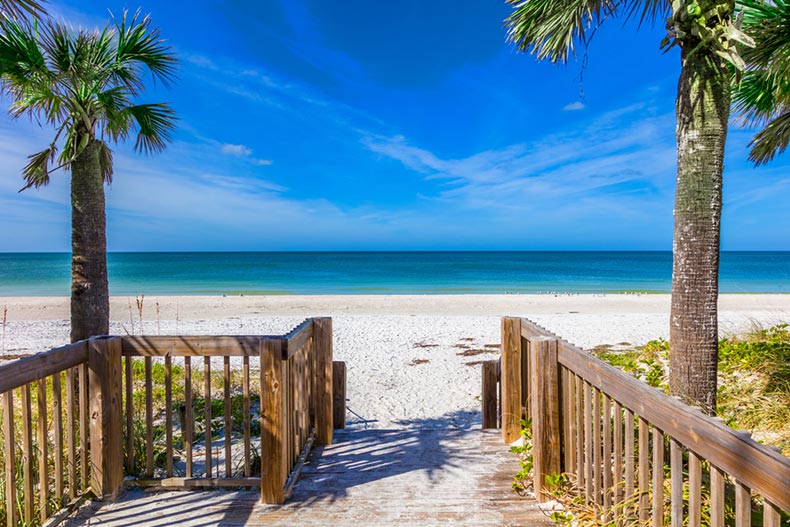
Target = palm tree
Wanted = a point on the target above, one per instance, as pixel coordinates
(83, 84)
(762, 97)
(705, 32)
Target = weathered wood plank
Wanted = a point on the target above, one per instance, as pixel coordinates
(273, 448)
(41, 365)
(606, 462)
(597, 445)
(545, 399)
(771, 515)
(84, 417)
(512, 397)
(339, 388)
(106, 416)
(192, 483)
(322, 347)
(618, 480)
(191, 346)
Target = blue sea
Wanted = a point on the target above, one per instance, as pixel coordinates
(359, 273)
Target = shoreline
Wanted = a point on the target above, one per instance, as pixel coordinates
(36, 308)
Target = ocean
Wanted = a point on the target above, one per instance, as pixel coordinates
(360, 273)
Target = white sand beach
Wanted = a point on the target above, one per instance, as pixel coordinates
(411, 359)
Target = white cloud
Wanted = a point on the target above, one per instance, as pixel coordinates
(262, 162)
(235, 150)
(574, 106)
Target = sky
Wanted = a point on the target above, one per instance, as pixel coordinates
(410, 125)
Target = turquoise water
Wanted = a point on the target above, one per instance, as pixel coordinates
(39, 274)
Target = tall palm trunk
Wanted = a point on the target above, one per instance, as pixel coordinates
(703, 107)
(90, 301)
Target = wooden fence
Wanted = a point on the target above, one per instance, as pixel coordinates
(633, 451)
(146, 407)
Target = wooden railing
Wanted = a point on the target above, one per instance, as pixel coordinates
(614, 436)
(46, 443)
(145, 407)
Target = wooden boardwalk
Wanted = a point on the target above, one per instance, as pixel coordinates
(367, 477)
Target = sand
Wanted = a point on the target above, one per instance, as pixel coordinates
(413, 359)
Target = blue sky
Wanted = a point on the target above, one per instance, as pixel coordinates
(358, 125)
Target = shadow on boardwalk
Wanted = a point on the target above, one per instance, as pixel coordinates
(421, 475)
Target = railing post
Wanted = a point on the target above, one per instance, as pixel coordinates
(322, 342)
(339, 394)
(545, 399)
(489, 394)
(106, 415)
(511, 379)
(274, 470)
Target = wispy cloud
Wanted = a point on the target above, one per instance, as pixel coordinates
(236, 150)
(574, 106)
(599, 161)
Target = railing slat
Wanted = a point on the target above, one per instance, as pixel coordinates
(129, 382)
(84, 416)
(189, 418)
(644, 470)
(9, 449)
(695, 490)
(149, 419)
(207, 413)
(588, 442)
(43, 454)
(580, 431)
(743, 505)
(676, 478)
(228, 426)
(618, 455)
(71, 432)
(57, 431)
(630, 455)
(27, 454)
(168, 417)
(510, 381)
(246, 411)
(658, 478)
(771, 515)
(717, 497)
(607, 453)
(597, 446)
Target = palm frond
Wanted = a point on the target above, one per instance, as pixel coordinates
(20, 8)
(105, 162)
(155, 123)
(139, 43)
(771, 140)
(762, 97)
(36, 172)
(22, 62)
(551, 29)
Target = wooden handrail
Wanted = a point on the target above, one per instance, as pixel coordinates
(41, 365)
(592, 397)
